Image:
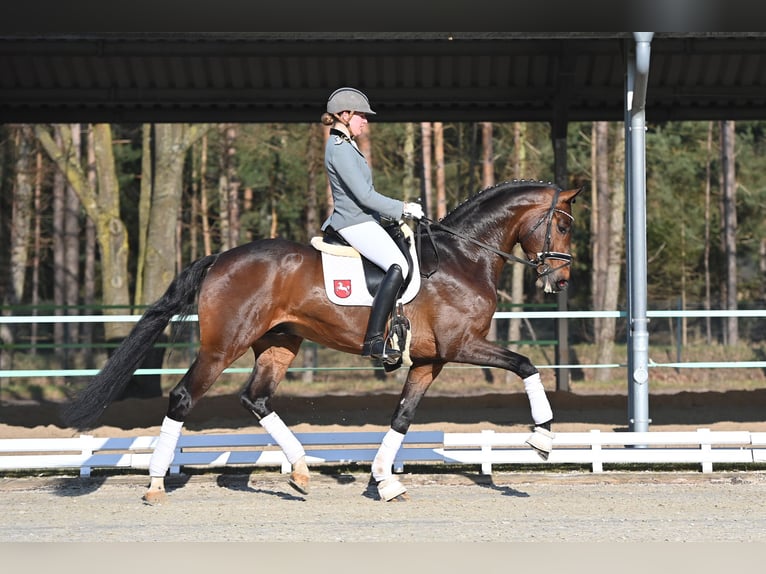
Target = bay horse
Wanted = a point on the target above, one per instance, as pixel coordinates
(268, 296)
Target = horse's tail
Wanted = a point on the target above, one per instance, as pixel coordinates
(109, 384)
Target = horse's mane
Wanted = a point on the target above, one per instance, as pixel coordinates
(516, 186)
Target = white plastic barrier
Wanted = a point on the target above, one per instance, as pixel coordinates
(215, 450)
(487, 448)
(597, 448)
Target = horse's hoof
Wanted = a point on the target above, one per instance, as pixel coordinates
(155, 497)
(541, 440)
(404, 497)
(391, 489)
(299, 482)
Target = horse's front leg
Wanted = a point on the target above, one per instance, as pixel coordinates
(486, 354)
(418, 380)
(274, 354)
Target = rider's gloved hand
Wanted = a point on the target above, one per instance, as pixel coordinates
(412, 210)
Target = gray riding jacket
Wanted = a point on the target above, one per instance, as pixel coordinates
(354, 196)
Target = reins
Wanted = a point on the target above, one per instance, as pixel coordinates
(427, 225)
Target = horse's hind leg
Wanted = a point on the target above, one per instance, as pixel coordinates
(274, 354)
(204, 371)
(418, 380)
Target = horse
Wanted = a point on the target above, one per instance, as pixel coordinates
(268, 296)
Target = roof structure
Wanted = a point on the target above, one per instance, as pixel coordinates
(409, 76)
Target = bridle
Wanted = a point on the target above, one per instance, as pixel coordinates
(543, 268)
(541, 257)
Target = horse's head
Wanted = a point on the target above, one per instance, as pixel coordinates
(545, 237)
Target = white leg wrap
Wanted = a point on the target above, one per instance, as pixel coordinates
(538, 402)
(390, 488)
(166, 447)
(384, 459)
(284, 437)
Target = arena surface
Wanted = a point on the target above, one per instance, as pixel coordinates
(461, 505)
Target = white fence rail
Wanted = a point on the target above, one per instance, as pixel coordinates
(702, 447)
(552, 315)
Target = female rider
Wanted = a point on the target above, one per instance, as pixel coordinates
(357, 210)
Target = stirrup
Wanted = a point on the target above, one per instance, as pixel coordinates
(377, 348)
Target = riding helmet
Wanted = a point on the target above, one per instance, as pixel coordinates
(348, 99)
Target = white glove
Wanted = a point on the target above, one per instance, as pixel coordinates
(412, 210)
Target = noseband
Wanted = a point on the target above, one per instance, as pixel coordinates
(539, 262)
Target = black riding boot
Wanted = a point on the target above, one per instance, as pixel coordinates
(382, 305)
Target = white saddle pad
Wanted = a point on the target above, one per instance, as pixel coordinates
(344, 273)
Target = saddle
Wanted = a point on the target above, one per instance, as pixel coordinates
(352, 279)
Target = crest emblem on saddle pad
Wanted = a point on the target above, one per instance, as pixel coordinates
(342, 288)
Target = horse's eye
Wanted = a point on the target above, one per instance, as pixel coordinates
(563, 228)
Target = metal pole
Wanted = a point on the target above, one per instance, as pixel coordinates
(563, 376)
(559, 134)
(630, 74)
(639, 334)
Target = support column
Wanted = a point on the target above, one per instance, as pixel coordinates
(635, 149)
(559, 137)
(563, 375)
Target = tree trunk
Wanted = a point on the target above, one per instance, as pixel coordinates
(21, 213)
(165, 147)
(72, 247)
(607, 225)
(21, 221)
(194, 218)
(762, 266)
(408, 182)
(207, 240)
(441, 188)
(172, 143)
(89, 263)
(59, 194)
(37, 245)
(144, 208)
(103, 208)
(599, 217)
(426, 139)
(517, 271)
(599, 232)
(729, 216)
(314, 161)
(247, 207)
(615, 216)
(487, 180)
(229, 188)
(708, 300)
(113, 237)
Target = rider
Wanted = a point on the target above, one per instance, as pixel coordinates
(357, 210)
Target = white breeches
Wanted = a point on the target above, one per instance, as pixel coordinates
(372, 241)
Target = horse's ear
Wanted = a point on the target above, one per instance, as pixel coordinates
(570, 194)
